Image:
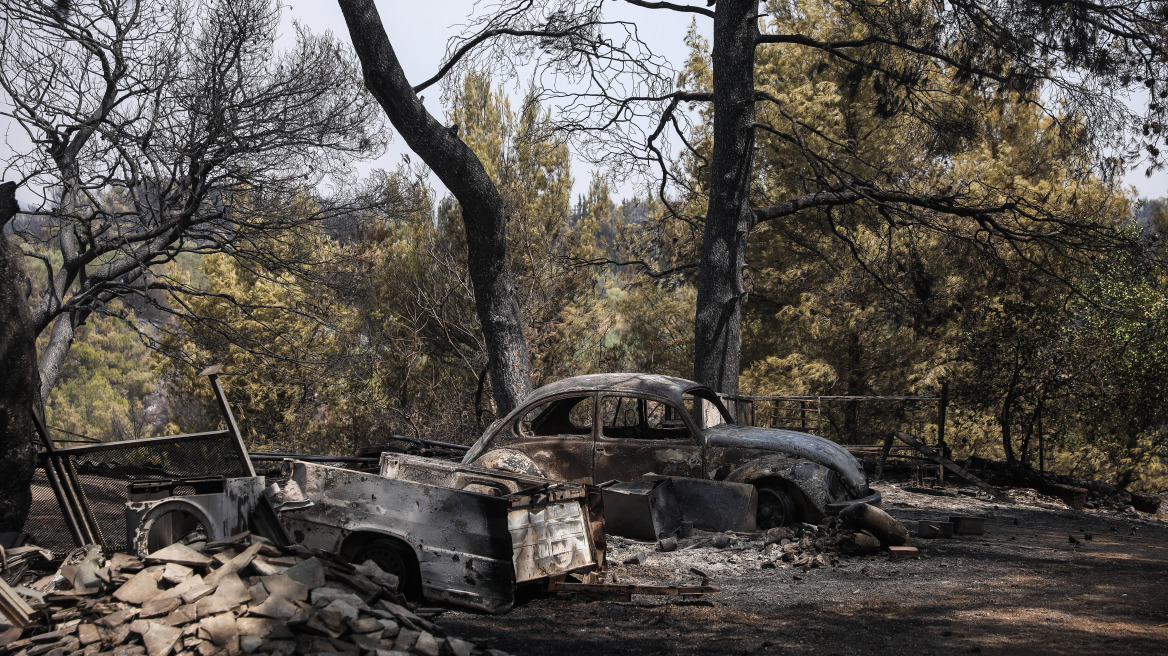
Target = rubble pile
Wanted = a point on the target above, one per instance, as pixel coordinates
(241, 595)
(809, 546)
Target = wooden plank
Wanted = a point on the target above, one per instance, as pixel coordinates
(630, 589)
(14, 608)
(957, 470)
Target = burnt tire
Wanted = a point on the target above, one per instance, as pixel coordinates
(775, 508)
(395, 558)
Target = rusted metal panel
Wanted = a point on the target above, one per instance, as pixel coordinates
(715, 505)
(642, 510)
(549, 540)
(160, 513)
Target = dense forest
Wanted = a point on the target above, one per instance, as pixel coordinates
(343, 318)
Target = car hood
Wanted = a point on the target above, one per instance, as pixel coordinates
(812, 447)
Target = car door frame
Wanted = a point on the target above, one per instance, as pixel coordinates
(634, 447)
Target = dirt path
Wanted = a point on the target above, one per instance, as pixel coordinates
(1021, 588)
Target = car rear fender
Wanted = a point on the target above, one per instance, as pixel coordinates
(812, 480)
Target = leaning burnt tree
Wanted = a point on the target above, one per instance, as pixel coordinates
(1073, 61)
(484, 218)
(159, 129)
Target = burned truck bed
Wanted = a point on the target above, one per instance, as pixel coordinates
(452, 533)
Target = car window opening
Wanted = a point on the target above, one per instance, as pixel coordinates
(634, 418)
(567, 416)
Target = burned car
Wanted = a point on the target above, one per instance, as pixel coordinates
(450, 533)
(605, 427)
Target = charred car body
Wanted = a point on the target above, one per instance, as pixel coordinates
(449, 532)
(606, 427)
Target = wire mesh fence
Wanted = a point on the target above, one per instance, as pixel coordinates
(848, 420)
(103, 473)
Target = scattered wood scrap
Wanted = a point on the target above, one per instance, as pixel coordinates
(624, 592)
(961, 473)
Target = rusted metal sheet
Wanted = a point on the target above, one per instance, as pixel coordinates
(642, 510)
(161, 513)
(549, 540)
(715, 505)
(473, 533)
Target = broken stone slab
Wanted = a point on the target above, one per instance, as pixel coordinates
(459, 647)
(389, 628)
(262, 627)
(337, 614)
(180, 554)
(158, 638)
(265, 568)
(426, 645)
(325, 596)
(233, 565)
(366, 641)
(376, 574)
(176, 573)
(219, 629)
(232, 589)
(277, 608)
(402, 613)
(285, 586)
(190, 590)
(406, 639)
(308, 572)
(212, 605)
(249, 644)
(182, 615)
(365, 625)
(88, 634)
(159, 606)
(118, 617)
(259, 594)
(141, 588)
(231, 541)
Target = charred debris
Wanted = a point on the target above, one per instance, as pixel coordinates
(178, 545)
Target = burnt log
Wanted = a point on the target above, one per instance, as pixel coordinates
(862, 517)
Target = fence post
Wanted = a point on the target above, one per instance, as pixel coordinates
(943, 405)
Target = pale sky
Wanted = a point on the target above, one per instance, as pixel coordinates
(419, 32)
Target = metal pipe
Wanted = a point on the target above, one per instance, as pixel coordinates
(71, 508)
(212, 374)
(418, 440)
(310, 458)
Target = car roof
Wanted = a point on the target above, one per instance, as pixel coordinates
(668, 387)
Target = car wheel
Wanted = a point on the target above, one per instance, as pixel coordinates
(397, 559)
(775, 508)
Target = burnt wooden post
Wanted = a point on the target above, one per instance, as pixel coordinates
(942, 406)
(212, 374)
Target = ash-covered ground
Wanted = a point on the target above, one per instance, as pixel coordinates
(1042, 579)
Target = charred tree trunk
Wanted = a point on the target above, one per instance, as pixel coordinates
(489, 262)
(18, 384)
(729, 218)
